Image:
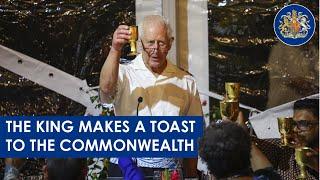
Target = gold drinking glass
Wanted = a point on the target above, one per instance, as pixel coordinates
(133, 40)
(285, 125)
(306, 156)
(232, 91)
(229, 110)
(301, 159)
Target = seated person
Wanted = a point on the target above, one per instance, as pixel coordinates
(226, 148)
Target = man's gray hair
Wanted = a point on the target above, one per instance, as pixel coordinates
(152, 18)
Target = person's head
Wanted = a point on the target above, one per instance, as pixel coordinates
(65, 169)
(306, 116)
(226, 147)
(156, 40)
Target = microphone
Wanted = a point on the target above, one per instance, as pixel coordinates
(140, 99)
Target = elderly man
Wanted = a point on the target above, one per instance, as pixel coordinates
(150, 85)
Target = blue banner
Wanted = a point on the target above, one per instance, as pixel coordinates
(100, 136)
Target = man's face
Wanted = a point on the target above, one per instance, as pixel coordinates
(307, 127)
(156, 46)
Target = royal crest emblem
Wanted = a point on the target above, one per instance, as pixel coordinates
(294, 25)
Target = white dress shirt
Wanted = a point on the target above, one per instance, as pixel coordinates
(172, 93)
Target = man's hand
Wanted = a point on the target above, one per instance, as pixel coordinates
(110, 69)
(258, 159)
(313, 162)
(240, 120)
(120, 37)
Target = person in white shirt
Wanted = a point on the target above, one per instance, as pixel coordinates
(160, 88)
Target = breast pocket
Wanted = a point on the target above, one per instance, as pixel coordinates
(175, 106)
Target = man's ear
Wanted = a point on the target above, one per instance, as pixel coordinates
(45, 172)
(171, 41)
(139, 46)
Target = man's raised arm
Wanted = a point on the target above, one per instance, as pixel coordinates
(110, 69)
